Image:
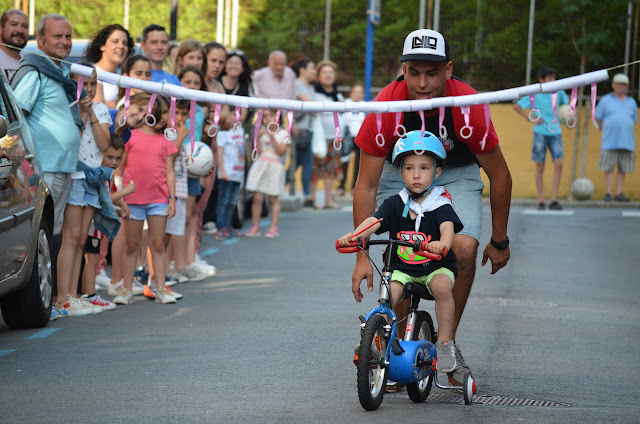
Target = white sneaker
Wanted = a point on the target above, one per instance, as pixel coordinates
(209, 269)
(194, 272)
(114, 288)
(163, 296)
(136, 288)
(175, 294)
(124, 298)
(177, 275)
(103, 281)
(104, 304)
(209, 227)
(79, 307)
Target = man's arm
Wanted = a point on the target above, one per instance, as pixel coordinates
(364, 203)
(497, 171)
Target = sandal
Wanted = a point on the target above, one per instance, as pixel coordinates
(272, 233)
(253, 232)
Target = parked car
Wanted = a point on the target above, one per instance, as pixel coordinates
(26, 222)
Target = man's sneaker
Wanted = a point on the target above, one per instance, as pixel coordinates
(194, 272)
(103, 281)
(608, 197)
(456, 377)
(555, 206)
(446, 351)
(104, 304)
(163, 296)
(114, 288)
(57, 311)
(209, 228)
(124, 298)
(222, 234)
(621, 198)
(177, 275)
(235, 234)
(175, 294)
(141, 276)
(78, 307)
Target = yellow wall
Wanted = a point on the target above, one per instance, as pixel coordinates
(515, 140)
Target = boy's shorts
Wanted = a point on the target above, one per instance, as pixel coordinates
(625, 159)
(425, 280)
(140, 212)
(540, 144)
(92, 245)
(194, 187)
(175, 224)
(83, 194)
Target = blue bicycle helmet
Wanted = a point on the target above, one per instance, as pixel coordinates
(411, 143)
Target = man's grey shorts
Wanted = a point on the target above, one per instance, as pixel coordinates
(624, 159)
(59, 184)
(462, 182)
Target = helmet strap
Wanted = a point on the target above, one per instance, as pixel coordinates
(413, 196)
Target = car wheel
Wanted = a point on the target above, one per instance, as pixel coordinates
(30, 307)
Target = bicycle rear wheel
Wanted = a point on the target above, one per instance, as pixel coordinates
(419, 391)
(372, 373)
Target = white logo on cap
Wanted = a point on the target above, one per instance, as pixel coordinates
(424, 42)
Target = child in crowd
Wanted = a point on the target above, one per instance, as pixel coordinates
(267, 176)
(148, 161)
(191, 77)
(111, 159)
(231, 157)
(82, 202)
(421, 211)
(353, 121)
(123, 123)
(190, 52)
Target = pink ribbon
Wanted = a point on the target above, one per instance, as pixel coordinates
(216, 119)
(441, 129)
(532, 114)
(422, 130)
(256, 130)
(337, 143)
(399, 126)
(127, 105)
(289, 123)
(192, 124)
(79, 90)
(172, 112)
(278, 113)
(487, 121)
(554, 106)
(466, 111)
(571, 120)
(594, 92)
(152, 101)
(236, 126)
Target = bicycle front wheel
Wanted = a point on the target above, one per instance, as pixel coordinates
(372, 372)
(419, 391)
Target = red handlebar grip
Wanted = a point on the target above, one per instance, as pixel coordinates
(424, 252)
(352, 248)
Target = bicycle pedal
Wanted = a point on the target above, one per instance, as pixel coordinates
(356, 357)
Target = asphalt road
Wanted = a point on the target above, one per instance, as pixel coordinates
(270, 338)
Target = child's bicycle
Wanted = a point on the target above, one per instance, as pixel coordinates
(381, 354)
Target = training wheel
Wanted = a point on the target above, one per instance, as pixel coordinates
(468, 388)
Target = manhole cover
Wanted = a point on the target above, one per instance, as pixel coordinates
(495, 400)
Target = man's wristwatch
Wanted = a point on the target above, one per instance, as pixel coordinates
(500, 245)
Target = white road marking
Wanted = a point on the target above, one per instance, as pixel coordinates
(631, 214)
(565, 212)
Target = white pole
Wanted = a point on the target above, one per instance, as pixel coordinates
(436, 16)
(234, 23)
(423, 6)
(126, 14)
(219, 20)
(227, 22)
(532, 15)
(627, 45)
(327, 30)
(32, 17)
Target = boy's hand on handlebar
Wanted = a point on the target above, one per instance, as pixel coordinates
(436, 247)
(346, 239)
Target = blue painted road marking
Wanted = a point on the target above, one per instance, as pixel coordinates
(44, 333)
(6, 352)
(210, 252)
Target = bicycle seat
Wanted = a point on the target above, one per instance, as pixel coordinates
(416, 289)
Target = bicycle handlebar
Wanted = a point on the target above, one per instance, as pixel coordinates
(419, 247)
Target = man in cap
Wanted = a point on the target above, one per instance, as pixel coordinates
(616, 114)
(427, 74)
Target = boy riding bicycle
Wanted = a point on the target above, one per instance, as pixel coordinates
(421, 211)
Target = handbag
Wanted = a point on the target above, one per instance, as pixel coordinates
(318, 142)
(303, 140)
